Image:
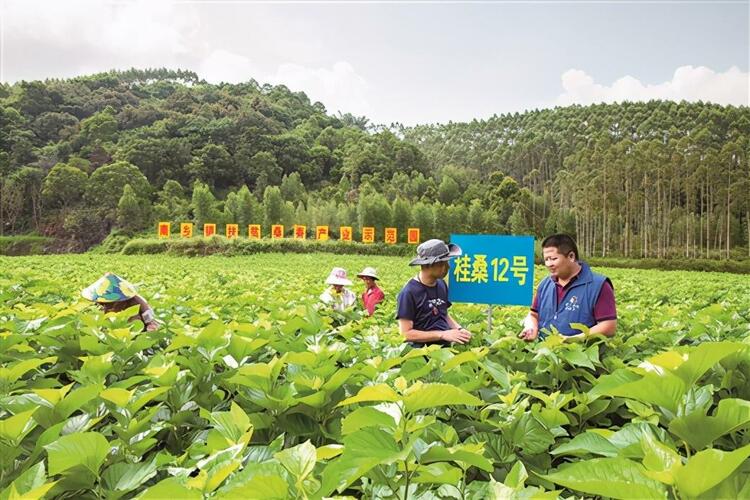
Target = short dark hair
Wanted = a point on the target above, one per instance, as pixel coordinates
(564, 244)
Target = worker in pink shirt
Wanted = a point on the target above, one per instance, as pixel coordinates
(373, 295)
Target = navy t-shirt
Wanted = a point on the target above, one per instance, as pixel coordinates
(426, 306)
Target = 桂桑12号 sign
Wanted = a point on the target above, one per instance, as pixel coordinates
(492, 269)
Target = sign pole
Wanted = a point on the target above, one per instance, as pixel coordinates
(489, 319)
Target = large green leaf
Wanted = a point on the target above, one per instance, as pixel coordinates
(438, 473)
(702, 358)
(14, 372)
(421, 396)
(700, 430)
(260, 487)
(529, 435)
(470, 454)
(299, 461)
(608, 477)
(588, 443)
(370, 443)
(13, 429)
(366, 417)
(170, 488)
(232, 424)
(665, 389)
(126, 477)
(88, 449)
(379, 392)
(708, 468)
(31, 484)
(661, 461)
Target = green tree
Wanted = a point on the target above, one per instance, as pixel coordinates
(203, 204)
(448, 191)
(248, 209)
(401, 217)
(100, 127)
(373, 210)
(105, 186)
(273, 206)
(423, 217)
(292, 188)
(130, 211)
(63, 186)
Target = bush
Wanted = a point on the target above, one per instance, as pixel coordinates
(113, 243)
(23, 245)
(717, 266)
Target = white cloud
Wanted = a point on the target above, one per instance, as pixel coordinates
(140, 32)
(688, 83)
(78, 37)
(225, 66)
(340, 88)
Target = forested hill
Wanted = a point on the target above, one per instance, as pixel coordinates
(639, 177)
(653, 179)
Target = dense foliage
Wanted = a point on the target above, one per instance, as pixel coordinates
(250, 391)
(656, 179)
(640, 179)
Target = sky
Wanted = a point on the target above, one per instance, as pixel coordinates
(410, 62)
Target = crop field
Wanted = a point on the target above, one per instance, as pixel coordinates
(250, 390)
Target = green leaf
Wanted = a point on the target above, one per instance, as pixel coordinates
(576, 357)
(366, 417)
(118, 396)
(88, 449)
(26, 484)
(466, 454)
(517, 476)
(379, 392)
(260, 487)
(17, 370)
(95, 368)
(212, 338)
(421, 396)
(529, 435)
(588, 443)
(145, 398)
(703, 357)
(438, 473)
(708, 468)
(371, 443)
(328, 452)
(126, 477)
(170, 488)
(661, 461)
(608, 477)
(76, 399)
(13, 429)
(299, 461)
(232, 424)
(664, 389)
(699, 430)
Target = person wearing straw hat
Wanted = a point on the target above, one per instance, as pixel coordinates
(114, 294)
(337, 295)
(373, 295)
(422, 310)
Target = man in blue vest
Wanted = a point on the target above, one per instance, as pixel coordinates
(572, 293)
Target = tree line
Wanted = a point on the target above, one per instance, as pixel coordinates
(639, 179)
(121, 150)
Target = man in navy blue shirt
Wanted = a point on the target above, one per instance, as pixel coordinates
(422, 310)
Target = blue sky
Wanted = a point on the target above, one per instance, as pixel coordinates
(402, 62)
